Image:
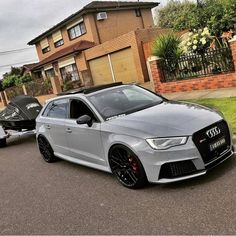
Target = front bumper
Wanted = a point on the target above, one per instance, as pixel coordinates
(154, 160)
(197, 173)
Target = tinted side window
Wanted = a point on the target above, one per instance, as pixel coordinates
(78, 108)
(58, 109)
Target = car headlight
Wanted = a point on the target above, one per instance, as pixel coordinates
(165, 143)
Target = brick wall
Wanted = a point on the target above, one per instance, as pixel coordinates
(122, 22)
(114, 26)
(224, 80)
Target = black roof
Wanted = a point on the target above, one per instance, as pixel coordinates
(91, 89)
(96, 6)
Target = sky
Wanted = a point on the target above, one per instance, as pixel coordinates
(23, 20)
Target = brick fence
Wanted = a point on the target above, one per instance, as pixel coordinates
(224, 80)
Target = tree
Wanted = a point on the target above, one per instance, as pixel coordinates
(176, 14)
(14, 77)
(220, 15)
(14, 71)
(217, 15)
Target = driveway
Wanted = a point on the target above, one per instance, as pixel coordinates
(64, 198)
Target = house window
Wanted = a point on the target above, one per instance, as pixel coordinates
(69, 73)
(58, 43)
(37, 74)
(50, 73)
(44, 45)
(45, 50)
(77, 31)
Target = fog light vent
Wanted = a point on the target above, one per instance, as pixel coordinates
(176, 169)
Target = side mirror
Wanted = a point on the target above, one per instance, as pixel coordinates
(85, 119)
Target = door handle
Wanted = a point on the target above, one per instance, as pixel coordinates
(68, 130)
(48, 127)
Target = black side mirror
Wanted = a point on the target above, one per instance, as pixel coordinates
(85, 119)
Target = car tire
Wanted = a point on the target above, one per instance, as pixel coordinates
(46, 150)
(127, 168)
(3, 142)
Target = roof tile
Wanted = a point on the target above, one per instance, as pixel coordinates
(76, 47)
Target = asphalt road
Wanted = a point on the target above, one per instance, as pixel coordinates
(64, 198)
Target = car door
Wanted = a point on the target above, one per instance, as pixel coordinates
(84, 142)
(54, 123)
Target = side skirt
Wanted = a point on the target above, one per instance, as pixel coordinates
(83, 163)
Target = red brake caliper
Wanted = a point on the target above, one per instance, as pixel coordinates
(133, 164)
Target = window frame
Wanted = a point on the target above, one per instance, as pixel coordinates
(47, 73)
(49, 106)
(79, 24)
(75, 69)
(60, 40)
(89, 107)
(46, 50)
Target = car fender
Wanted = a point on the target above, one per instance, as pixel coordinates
(133, 143)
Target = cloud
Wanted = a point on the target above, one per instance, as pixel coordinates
(20, 21)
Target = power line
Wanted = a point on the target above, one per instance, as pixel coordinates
(15, 50)
(19, 63)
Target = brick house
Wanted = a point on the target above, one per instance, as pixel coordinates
(101, 43)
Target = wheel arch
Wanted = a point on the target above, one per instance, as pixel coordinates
(117, 144)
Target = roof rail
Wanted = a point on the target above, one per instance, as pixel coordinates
(91, 89)
(101, 87)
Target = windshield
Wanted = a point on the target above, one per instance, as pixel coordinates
(123, 100)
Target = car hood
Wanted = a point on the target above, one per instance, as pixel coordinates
(165, 119)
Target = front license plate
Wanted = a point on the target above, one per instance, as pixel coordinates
(217, 144)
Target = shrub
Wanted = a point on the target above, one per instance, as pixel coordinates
(167, 46)
(48, 85)
(14, 80)
(26, 78)
(197, 41)
(9, 81)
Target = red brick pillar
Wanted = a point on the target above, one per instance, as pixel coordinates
(56, 86)
(3, 98)
(233, 49)
(155, 73)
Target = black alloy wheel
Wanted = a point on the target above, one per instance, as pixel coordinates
(127, 168)
(46, 150)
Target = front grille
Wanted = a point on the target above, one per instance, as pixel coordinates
(203, 141)
(177, 169)
(220, 159)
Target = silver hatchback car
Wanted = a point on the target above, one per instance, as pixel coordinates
(137, 135)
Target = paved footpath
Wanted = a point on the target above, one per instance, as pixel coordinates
(209, 93)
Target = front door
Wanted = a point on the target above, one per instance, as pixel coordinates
(85, 142)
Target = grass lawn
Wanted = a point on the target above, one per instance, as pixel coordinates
(226, 105)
